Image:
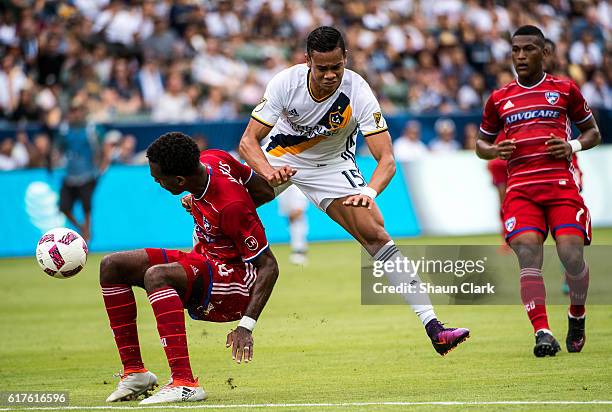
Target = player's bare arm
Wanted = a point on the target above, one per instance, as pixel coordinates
(589, 137)
(381, 148)
(241, 338)
(251, 152)
(487, 149)
(260, 190)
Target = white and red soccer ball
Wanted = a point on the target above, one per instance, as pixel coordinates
(61, 253)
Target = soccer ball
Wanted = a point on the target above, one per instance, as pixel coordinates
(61, 253)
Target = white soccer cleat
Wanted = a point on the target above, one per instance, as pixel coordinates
(132, 385)
(175, 392)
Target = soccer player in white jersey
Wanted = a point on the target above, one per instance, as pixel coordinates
(303, 133)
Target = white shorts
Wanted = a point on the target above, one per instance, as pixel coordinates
(325, 183)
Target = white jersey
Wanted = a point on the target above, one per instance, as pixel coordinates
(310, 132)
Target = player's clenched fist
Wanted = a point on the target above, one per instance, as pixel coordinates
(241, 341)
(280, 175)
(558, 147)
(186, 202)
(505, 148)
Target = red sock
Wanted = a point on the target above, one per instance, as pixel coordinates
(578, 287)
(168, 310)
(533, 296)
(121, 308)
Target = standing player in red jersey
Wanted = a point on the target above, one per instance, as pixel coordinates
(535, 112)
(228, 276)
(498, 168)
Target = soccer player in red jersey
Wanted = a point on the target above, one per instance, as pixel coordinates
(498, 168)
(535, 112)
(228, 276)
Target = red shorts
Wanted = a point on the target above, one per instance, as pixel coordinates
(498, 170)
(216, 292)
(538, 207)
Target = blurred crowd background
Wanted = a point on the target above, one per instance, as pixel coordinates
(191, 60)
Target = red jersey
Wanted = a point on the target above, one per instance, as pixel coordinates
(227, 225)
(529, 115)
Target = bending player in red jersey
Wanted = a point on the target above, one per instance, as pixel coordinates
(535, 112)
(228, 276)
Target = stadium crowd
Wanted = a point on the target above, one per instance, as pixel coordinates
(187, 60)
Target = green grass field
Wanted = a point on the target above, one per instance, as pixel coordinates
(314, 344)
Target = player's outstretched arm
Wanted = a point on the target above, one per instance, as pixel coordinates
(251, 152)
(241, 338)
(589, 137)
(487, 149)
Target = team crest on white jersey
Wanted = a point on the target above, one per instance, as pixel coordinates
(552, 97)
(510, 224)
(335, 120)
(508, 105)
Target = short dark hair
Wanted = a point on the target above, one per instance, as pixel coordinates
(549, 42)
(175, 153)
(529, 30)
(324, 39)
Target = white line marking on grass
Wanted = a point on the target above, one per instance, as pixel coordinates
(304, 405)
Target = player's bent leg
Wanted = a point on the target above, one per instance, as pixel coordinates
(165, 284)
(570, 248)
(529, 248)
(367, 227)
(127, 268)
(118, 273)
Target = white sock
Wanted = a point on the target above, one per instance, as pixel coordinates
(298, 230)
(420, 303)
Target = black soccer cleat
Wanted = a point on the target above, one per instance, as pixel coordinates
(576, 338)
(546, 345)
